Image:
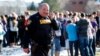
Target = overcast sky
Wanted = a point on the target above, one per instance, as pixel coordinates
(36, 1)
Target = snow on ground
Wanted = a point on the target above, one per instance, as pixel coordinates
(17, 51)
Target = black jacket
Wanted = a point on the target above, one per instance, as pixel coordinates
(97, 20)
(39, 29)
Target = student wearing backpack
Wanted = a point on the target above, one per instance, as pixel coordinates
(57, 35)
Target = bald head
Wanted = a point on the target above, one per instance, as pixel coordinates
(44, 9)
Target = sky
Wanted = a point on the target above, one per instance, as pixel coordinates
(35, 1)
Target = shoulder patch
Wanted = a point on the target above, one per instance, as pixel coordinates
(29, 22)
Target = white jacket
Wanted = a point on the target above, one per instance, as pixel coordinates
(13, 28)
(2, 32)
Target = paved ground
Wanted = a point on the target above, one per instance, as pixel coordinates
(98, 52)
(17, 51)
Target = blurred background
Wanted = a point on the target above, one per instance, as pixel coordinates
(19, 6)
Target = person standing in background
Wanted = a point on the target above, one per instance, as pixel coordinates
(82, 31)
(97, 17)
(90, 35)
(2, 32)
(4, 22)
(71, 30)
(57, 34)
(13, 30)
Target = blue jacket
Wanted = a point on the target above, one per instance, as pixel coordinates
(72, 32)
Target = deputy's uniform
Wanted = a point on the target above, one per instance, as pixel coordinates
(39, 30)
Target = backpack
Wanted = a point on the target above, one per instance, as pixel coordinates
(58, 32)
(82, 27)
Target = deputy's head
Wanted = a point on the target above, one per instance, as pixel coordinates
(44, 9)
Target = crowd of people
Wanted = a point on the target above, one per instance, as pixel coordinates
(12, 28)
(81, 30)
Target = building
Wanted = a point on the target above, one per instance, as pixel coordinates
(74, 5)
(92, 5)
(80, 5)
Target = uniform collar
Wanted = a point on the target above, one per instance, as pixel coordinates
(41, 16)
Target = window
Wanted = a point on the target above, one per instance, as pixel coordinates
(81, 2)
(97, 0)
(73, 2)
